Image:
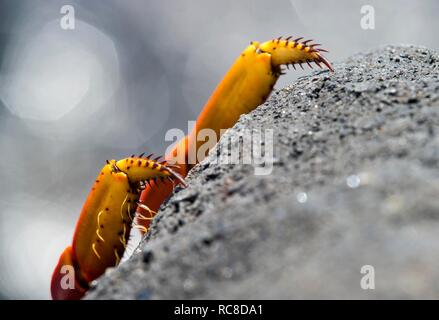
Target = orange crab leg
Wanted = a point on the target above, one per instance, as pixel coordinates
(105, 222)
(245, 86)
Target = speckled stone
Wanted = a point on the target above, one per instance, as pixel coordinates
(355, 182)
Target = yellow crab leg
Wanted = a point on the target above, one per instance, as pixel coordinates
(103, 227)
(246, 85)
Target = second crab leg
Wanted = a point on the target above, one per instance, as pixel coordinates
(246, 85)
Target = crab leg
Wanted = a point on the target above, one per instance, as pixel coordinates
(246, 85)
(105, 222)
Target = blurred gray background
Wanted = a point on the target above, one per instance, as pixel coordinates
(113, 86)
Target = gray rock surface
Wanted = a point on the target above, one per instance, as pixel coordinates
(355, 182)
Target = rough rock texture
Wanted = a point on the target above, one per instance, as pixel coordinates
(355, 182)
